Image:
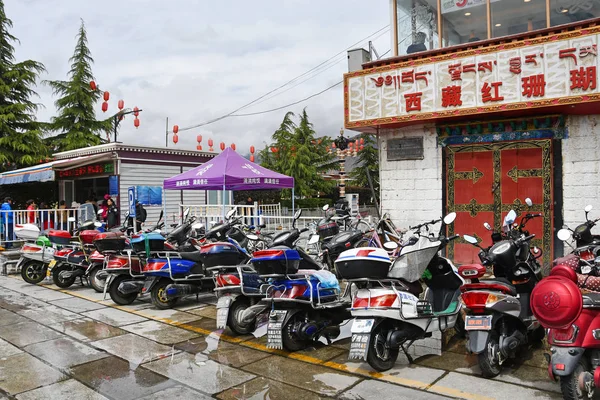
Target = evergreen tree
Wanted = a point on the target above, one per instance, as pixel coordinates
(20, 134)
(368, 159)
(76, 122)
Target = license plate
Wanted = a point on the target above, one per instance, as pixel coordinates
(223, 304)
(362, 325)
(274, 339)
(479, 323)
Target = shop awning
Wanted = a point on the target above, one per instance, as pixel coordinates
(45, 172)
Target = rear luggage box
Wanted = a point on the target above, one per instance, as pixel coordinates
(363, 262)
(151, 242)
(110, 241)
(87, 237)
(276, 261)
(59, 237)
(219, 253)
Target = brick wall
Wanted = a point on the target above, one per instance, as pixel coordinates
(581, 163)
(411, 190)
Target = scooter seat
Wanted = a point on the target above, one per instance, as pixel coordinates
(191, 256)
(508, 287)
(591, 300)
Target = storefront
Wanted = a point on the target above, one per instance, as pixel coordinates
(91, 173)
(477, 128)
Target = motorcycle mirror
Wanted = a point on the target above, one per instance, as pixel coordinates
(448, 219)
(186, 213)
(510, 218)
(536, 250)
(588, 208)
(528, 202)
(71, 219)
(298, 213)
(97, 224)
(470, 239)
(487, 226)
(230, 213)
(326, 207)
(250, 236)
(390, 246)
(563, 234)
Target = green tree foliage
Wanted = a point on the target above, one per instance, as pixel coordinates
(368, 159)
(76, 125)
(20, 134)
(300, 154)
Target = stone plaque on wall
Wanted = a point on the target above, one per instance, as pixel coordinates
(405, 149)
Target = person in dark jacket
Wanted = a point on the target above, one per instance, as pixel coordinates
(418, 44)
(112, 214)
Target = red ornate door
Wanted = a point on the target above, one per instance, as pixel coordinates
(485, 181)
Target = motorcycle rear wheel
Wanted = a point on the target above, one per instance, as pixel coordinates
(488, 358)
(33, 271)
(290, 336)
(95, 283)
(379, 356)
(62, 282)
(159, 296)
(235, 314)
(569, 385)
(118, 297)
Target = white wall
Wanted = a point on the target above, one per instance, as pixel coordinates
(411, 190)
(581, 163)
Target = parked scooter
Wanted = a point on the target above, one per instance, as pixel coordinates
(572, 318)
(36, 253)
(498, 319)
(386, 309)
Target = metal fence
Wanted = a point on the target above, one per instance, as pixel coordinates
(45, 220)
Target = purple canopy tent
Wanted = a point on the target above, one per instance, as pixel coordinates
(230, 171)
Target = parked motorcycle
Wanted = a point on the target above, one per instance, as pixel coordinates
(499, 320)
(572, 317)
(36, 253)
(386, 309)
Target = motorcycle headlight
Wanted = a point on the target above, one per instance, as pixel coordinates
(501, 248)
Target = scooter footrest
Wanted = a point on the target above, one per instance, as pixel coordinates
(424, 307)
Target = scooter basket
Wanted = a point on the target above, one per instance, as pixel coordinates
(110, 241)
(59, 237)
(219, 253)
(364, 262)
(413, 260)
(328, 229)
(276, 261)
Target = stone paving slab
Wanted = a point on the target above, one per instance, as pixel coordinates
(7, 349)
(465, 386)
(134, 349)
(262, 388)
(64, 352)
(159, 332)
(171, 316)
(314, 378)
(48, 314)
(69, 389)
(77, 305)
(43, 294)
(23, 372)
(207, 311)
(114, 317)
(177, 393)
(26, 333)
(14, 301)
(207, 376)
(221, 351)
(115, 378)
(10, 318)
(87, 329)
(373, 389)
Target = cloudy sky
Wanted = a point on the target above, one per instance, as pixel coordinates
(195, 60)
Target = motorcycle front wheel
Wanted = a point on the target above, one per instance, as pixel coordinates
(236, 309)
(290, 334)
(95, 283)
(379, 356)
(488, 358)
(118, 297)
(569, 385)
(59, 281)
(33, 271)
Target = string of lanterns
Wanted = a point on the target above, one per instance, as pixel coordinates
(199, 147)
(120, 105)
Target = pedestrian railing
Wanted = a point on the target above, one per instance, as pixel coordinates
(45, 220)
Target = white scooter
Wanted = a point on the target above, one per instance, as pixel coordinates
(36, 253)
(386, 308)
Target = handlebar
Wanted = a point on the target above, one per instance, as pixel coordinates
(433, 221)
(303, 230)
(525, 239)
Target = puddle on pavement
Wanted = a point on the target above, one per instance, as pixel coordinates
(114, 377)
(160, 332)
(262, 388)
(87, 329)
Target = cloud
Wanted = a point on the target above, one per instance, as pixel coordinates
(192, 60)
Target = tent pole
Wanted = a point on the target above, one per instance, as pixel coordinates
(223, 199)
(293, 211)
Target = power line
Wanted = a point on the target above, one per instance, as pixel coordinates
(279, 87)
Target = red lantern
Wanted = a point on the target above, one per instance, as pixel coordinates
(251, 157)
(136, 111)
(199, 148)
(351, 145)
(121, 104)
(136, 122)
(93, 85)
(210, 142)
(106, 96)
(252, 149)
(104, 107)
(222, 146)
(333, 145)
(175, 139)
(199, 138)
(175, 129)
(233, 146)
(362, 147)
(362, 141)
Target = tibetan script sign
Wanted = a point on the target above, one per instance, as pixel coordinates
(541, 72)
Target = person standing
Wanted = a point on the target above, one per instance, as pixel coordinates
(112, 214)
(62, 222)
(31, 207)
(140, 215)
(104, 207)
(7, 221)
(249, 210)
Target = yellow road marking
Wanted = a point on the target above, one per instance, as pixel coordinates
(410, 383)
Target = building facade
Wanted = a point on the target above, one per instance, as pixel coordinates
(500, 102)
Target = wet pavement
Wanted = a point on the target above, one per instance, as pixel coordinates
(75, 344)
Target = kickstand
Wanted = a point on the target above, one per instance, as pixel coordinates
(328, 340)
(408, 356)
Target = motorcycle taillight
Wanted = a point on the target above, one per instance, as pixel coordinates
(387, 300)
(117, 263)
(228, 280)
(475, 301)
(567, 335)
